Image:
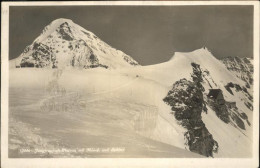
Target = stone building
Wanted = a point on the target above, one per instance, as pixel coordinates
(216, 95)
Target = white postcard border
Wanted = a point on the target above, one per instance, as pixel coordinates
(123, 162)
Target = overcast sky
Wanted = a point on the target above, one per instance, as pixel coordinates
(149, 34)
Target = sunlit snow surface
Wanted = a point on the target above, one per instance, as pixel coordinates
(121, 108)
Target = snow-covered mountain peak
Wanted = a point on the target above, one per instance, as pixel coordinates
(62, 20)
(52, 27)
(63, 43)
(202, 52)
(181, 61)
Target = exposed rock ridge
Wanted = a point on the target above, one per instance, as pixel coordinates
(187, 102)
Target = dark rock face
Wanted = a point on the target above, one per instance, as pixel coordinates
(65, 32)
(249, 106)
(228, 86)
(243, 90)
(93, 59)
(236, 116)
(197, 76)
(244, 116)
(248, 95)
(26, 64)
(241, 67)
(220, 109)
(181, 100)
(186, 100)
(201, 141)
(130, 60)
(41, 56)
(239, 122)
(228, 112)
(233, 85)
(96, 66)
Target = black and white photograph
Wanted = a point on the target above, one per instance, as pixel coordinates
(130, 81)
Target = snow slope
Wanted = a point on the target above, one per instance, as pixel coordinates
(115, 114)
(131, 99)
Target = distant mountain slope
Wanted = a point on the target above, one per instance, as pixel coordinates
(66, 44)
(241, 67)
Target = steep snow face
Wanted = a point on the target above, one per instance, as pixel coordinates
(66, 44)
(241, 68)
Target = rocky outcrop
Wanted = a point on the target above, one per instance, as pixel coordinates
(239, 122)
(187, 102)
(241, 67)
(42, 56)
(237, 117)
(238, 88)
(220, 109)
(65, 31)
(232, 85)
(130, 60)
